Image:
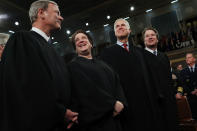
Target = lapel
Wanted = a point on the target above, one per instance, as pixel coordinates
(188, 71)
(195, 70)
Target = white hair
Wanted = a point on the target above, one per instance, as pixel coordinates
(121, 19)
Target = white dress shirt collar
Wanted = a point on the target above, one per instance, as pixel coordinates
(40, 32)
(192, 67)
(151, 51)
(121, 44)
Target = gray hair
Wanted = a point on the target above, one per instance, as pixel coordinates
(126, 22)
(35, 6)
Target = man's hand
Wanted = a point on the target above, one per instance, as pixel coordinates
(118, 107)
(194, 92)
(71, 117)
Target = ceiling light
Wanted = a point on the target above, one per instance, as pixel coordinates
(106, 25)
(52, 38)
(10, 31)
(174, 1)
(16, 23)
(132, 8)
(108, 17)
(68, 32)
(55, 42)
(87, 31)
(87, 24)
(126, 18)
(149, 10)
(3, 16)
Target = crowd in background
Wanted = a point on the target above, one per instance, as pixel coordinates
(185, 37)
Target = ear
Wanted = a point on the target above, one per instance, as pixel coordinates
(91, 45)
(157, 40)
(41, 13)
(129, 31)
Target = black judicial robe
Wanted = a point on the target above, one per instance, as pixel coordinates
(137, 85)
(95, 89)
(165, 102)
(34, 85)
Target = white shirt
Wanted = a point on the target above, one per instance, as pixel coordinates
(193, 67)
(40, 32)
(121, 44)
(151, 51)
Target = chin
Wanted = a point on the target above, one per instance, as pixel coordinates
(57, 27)
(82, 49)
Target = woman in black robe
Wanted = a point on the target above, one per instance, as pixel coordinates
(96, 92)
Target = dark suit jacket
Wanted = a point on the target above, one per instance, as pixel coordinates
(189, 84)
(189, 80)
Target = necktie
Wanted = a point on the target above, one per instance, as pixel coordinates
(192, 70)
(125, 47)
(50, 41)
(155, 52)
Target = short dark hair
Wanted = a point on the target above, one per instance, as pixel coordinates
(77, 32)
(150, 28)
(191, 54)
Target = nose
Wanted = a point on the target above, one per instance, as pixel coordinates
(150, 37)
(120, 28)
(61, 18)
(81, 41)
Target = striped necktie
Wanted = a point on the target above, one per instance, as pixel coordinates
(125, 47)
(155, 52)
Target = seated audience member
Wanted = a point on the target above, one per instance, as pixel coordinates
(188, 78)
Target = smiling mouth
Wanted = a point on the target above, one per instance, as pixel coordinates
(121, 30)
(59, 22)
(82, 44)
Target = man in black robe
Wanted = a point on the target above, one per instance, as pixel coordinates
(96, 92)
(129, 62)
(35, 88)
(160, 71)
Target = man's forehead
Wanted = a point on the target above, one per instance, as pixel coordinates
(150, 31)
(53, 5)
(120, 22)
(189, 56)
